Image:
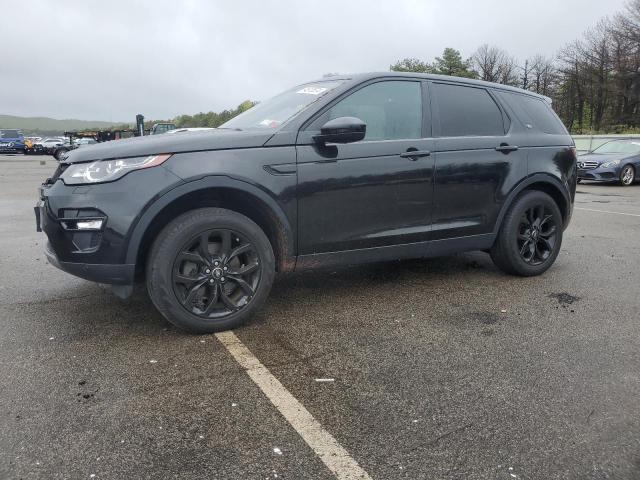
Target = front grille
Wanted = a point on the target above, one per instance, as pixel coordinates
(588, 165)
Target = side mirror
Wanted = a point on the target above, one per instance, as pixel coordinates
(342, 130)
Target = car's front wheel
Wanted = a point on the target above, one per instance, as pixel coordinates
(209, 270)
(627, 175)
(530, 236)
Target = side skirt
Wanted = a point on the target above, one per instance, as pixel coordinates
(432, 248)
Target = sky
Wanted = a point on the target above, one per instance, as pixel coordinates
(110, 60)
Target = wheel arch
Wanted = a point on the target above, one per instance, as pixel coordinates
(214, 191)
(541, 182)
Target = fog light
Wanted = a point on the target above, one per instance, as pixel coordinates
(89, 224)
(82, 224)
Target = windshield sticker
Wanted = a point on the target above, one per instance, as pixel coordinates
(312, 90)
(267, 122)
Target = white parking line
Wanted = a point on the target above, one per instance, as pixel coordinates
(607, 211)
(336, 458)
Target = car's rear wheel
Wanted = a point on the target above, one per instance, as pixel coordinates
(209, 270)
(530, 236)
(627, 175)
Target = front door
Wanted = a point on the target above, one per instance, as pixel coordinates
(370, 193)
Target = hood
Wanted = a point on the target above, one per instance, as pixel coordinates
(603, 157)
(216, 139)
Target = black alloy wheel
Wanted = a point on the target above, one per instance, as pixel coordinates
(537, 232)
(210, 269)
(216, 273)
(530, 235)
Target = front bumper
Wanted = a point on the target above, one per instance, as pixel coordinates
(599, 174)
(122, 274)
(98, 255)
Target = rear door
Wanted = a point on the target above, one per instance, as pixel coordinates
(478, 159)
(370, 193)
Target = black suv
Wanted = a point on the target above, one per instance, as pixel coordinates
(343, 170)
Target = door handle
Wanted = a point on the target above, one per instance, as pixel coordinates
(506, 148)
(415, 154)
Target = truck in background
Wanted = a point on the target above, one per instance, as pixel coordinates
(11, 141)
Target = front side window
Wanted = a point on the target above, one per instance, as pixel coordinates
(467, 111)
(392, 110)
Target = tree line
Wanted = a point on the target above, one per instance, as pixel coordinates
(212, 119)
(594, 82)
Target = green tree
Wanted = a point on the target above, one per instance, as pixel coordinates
(411, 65)
(450, 63)
(211, 119)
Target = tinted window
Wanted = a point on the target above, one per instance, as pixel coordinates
(467, 111)
(540, 115)
(392, 110)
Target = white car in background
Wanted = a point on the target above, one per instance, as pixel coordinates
(50, 144)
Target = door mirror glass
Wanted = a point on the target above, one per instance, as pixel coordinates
(342, 130)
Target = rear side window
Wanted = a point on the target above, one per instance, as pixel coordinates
(537, 113)
(467, 111)
(392, 110)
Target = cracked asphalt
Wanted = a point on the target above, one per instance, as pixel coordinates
(443, 368)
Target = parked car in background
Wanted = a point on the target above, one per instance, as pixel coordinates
(80, 142)
(11, 140)
(51, 144)
(345, 170)
(616, 160)
(29, 143)
(588, 143)
(72, 145)
(160, 128)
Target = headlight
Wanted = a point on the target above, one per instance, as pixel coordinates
(612, 163)
(108, 170)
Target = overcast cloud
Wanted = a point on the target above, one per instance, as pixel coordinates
(110, 60)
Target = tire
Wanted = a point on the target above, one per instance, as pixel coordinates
(627, 175)
(57, 154)
(190, 290)
(530, 236)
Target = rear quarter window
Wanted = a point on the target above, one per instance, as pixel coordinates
(537, 113)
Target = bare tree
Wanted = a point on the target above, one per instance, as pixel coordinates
(542, 73)
(524, 78)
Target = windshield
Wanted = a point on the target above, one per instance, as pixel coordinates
(275, 112)
(9, 134)
(619, 146)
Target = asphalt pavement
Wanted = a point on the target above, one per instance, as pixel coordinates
(424, 369)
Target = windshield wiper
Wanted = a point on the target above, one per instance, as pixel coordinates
(228, 128)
